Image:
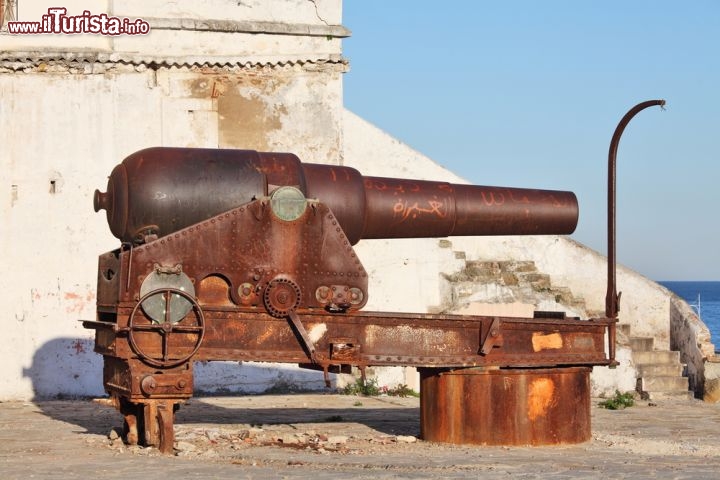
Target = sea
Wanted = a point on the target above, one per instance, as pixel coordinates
(704, 297)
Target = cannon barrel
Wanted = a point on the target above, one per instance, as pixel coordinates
(161, 190)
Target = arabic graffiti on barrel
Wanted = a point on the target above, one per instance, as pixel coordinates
(405, 210)
(498, 197)
(396, 187)
(411, 199)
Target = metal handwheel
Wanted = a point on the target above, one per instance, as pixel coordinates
(166, 328)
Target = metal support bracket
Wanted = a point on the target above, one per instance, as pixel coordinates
(492, 338)
(300, 329)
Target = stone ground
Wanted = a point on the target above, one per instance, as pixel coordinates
(333, 436)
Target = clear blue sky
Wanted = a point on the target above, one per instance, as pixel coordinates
(528, 94)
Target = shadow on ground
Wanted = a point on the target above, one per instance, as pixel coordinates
(391, 420)
(64, 370)
(99, 419)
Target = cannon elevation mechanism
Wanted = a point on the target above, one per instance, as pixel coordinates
(240, 255)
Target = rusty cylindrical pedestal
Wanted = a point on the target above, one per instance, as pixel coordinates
(514, 406)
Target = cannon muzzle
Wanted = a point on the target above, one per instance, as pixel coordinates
(162, 190)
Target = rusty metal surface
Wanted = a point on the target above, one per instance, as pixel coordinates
(371, 339)
(505, 406)
(149, 423)
(157, 191)
(235, 257)
(133, 379)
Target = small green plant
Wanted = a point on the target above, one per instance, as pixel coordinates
(619, 401)
(402, 390)
(368, 388)
(358, 404)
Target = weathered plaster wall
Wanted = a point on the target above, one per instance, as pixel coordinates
(49, 234)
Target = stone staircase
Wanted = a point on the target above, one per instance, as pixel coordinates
(659, 372)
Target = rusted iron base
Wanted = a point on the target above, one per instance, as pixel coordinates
(486, 380)
(513, 406)
(150, 423)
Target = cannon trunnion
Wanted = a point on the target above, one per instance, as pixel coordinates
(240, 255)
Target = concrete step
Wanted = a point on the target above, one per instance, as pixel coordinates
(685, 395)
(655, 357)
(642, 344)
(664, 384)
(661, 369)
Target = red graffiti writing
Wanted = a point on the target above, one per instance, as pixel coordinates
(406, 211)
(343, 173)
(491, 199)
(373, 184)
(78, 346)
(513, 198)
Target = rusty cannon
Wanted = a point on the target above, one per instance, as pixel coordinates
(240, 255)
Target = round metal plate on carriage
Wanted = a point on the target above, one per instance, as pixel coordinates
(288, 203)
(155, 305)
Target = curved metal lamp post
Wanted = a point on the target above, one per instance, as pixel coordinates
(612, 299)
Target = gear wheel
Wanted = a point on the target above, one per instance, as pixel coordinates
(281, 296)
